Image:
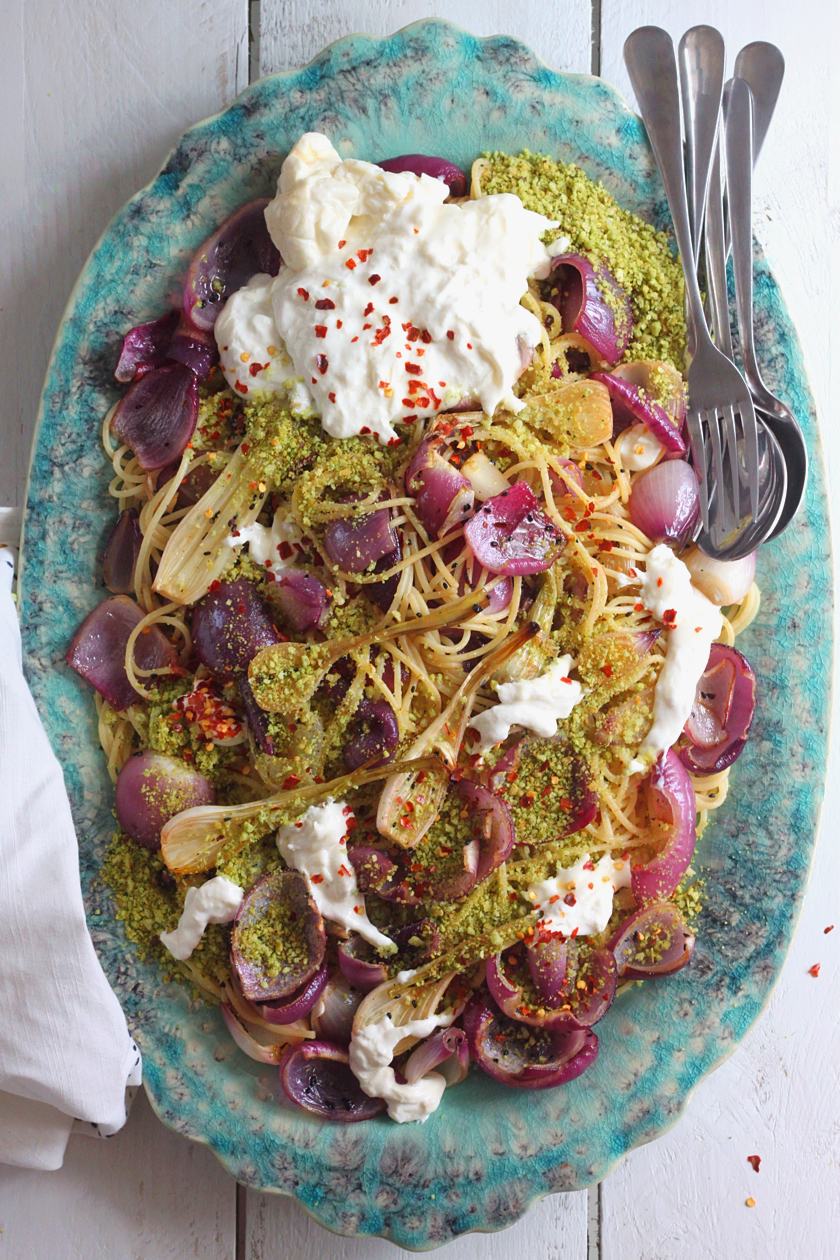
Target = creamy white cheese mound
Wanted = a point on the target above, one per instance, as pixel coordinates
(390, 303)
(579, 899)
(536, 703)
(217, 901)
(693, 623)
(316, 846)
(637, 448)
(271, 547)
(251, 350)
(371, 1052)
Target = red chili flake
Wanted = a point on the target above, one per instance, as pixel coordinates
(374, 279)
(638, 607)
(469, 347)
(669, 616)
(607, 671)
(830, 928)
(253, 368)
(240, 608)
(350, 264)
(573, 934)
(426, 336)
(342, 870)
(415, 368)
(325, 304)
(570, 899)
(755, 1160)
(339, 323)
(659, 581)
(450, 334)
(322, 363)
(380, 335)
(352, 339)
(352, 824)
(188, 754)
(320, 330)
(291, 781)
(240, 388)
(286, 549)
(582, 526)
(364, 429)
(545, 791)
(565, 804)
(341, 244)
(368, 309)
(363, 254)
(302, 293)
(366, 326)
(331, 397)
(512, 896)
(215, 585)
(317, 879)
(588, 866)
(814, 971)
(408, 402)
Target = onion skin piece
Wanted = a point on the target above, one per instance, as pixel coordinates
(248, 1044)
(291, 887)
(627, 945)
(444, 496)
(146, 346)
(302, 599)
(577, 294)
(729, 680)
(316, 1077)
(493, 824)
(121, 552)
(492, 1039)
(672, 793)
(442, 1047)
(664, 502)
(632, 406)
(511, 534)
(333, 1014)
(436, 167)
(236, 251)
(97, 651)
(152, 788)
(359, 971)
(157, 415)
(354, 542)
(587, 1007)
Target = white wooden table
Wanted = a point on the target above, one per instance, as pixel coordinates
(92, 96)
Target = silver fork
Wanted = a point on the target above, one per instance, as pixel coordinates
(717, 393)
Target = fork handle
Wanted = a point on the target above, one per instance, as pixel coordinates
(739, 164)
(702, 56)
(652, 66)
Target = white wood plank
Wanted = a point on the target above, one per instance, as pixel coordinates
(554, 1230)
(145, 1194)
(685, 1196)
(292, 32)
(94, 95)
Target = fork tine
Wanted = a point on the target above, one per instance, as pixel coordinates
(697, 442)
(750, 427)
(731, 432)
(713, 424)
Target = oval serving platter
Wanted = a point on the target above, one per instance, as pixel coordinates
(489, 1152)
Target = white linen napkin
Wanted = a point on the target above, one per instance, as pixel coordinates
(65, 1051)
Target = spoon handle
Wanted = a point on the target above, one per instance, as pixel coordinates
(652, 66)
(702, 55)
(739, 163)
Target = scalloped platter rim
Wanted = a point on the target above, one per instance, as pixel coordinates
(489, 1153)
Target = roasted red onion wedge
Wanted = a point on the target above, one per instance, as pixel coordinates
(654, 941)
(146, 346)
(492, 824)
(302, 599)
(196, 347)
(417, 942)
(356, 542)
(671, 800)
(98, 649)
(664, 502)
(424, 164)
(521, 1056)
(722, 713)
(592, 304)
(239, 249)
(636, 399)
(380, 874)
(157, 414)
(444, 496)
(151, 789)
(298, 1004)
(375, 735)
(229, 626)
(511, 533)
(121, 552)
(278, 939)
(581, 998)
(316, 1076)
(193, 486)
(471, 575)
(359, 963)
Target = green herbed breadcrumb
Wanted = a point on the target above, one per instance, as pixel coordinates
(275, 942)
(638, 256)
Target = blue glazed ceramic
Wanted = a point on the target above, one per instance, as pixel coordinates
(489, 1152)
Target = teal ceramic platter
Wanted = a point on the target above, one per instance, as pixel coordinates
(489, 1152)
